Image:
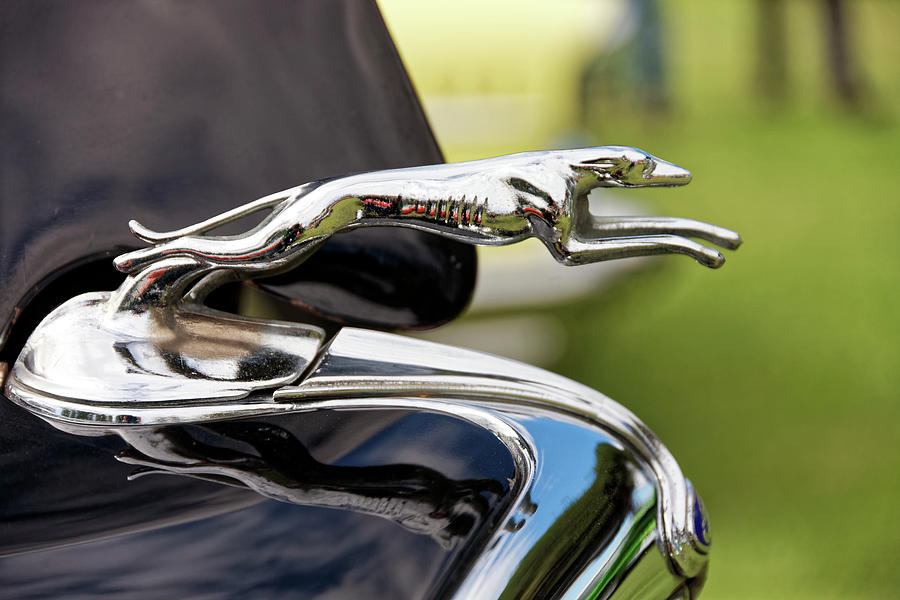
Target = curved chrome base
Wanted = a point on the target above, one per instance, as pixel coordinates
(123, 369)
(552, 427)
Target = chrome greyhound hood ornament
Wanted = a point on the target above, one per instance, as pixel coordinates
(151, 355)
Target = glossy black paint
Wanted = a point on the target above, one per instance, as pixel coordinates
(60, 489)
(247, 546)
(171, 112)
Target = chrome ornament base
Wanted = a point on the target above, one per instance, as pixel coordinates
(139, 369)
(151, 355)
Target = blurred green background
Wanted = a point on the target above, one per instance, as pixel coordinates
(776, 380)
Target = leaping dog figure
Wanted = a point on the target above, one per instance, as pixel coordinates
(494, 201)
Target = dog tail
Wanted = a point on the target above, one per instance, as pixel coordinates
(156, 237)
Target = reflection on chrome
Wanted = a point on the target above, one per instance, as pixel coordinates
(600, 507)
(417, 498)
(363, 369)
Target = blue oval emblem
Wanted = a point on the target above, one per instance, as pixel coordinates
(701, 522)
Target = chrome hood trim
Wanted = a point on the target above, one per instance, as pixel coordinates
(150, 354)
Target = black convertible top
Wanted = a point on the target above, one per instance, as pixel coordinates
(171, 112)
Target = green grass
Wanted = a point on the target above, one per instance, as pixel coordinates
(776, 380)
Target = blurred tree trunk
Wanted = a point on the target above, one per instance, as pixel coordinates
(771, 71)
(841, 68)
(649, 69)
